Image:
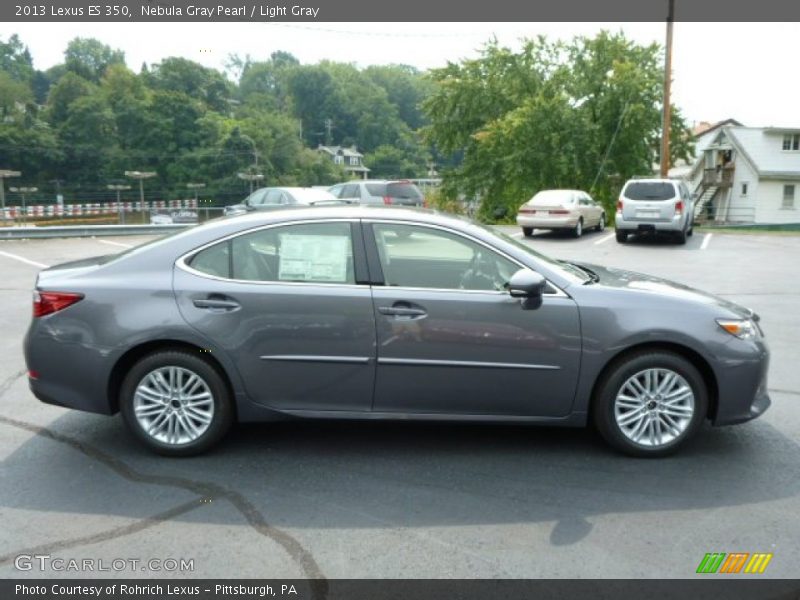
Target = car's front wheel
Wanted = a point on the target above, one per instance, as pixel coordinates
(176, 403)
(650, 403)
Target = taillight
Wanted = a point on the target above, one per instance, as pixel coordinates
(387, 200)
(619, 205)
(526, 211)
(46, 303)
(679, 207)
(559, 212)
(33, 374)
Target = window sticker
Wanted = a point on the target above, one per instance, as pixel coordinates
(313, 257)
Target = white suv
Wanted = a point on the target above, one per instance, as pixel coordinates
(655, 205)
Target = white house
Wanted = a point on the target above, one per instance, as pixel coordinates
(350, 158)
(747, 175)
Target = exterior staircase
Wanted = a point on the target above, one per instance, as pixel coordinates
(704, 196)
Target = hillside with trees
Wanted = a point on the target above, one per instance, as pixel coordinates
(580, 114)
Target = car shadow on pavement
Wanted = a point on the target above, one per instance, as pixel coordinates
(362, 475)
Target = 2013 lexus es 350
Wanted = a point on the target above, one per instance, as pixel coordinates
(370, 313)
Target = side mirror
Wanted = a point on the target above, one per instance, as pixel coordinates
(528, 285)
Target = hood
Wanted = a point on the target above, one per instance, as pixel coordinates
(640, 282)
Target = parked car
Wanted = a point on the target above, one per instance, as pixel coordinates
(166, 217)
(276, 197)
(572, 210)
(399, 192)
(371, 313)
(655, 206)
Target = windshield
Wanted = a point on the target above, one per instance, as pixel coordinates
(553, 198)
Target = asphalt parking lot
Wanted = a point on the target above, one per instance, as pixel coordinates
(366, 500)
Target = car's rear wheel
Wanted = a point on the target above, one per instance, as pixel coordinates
(680, 237)
(176, 403)
(650, 403)
(622, 236)
(577, 231)
(602, 224)
(527, 231)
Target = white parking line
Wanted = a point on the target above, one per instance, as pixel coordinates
(23, 259)
(604, 240)
(517, 235)
(110, 243)
(705, 241)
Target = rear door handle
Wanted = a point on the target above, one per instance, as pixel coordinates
(402, 311)
(217, 304)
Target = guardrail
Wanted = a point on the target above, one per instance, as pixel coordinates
(65, 231)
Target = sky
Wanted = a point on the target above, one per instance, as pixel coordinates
(745, 71)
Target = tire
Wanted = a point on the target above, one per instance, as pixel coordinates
(527, 231)
(691, 230)
(622, 236)
(680, 238)
(193, 428)
(602, 224)
(577, 231)
(610, 413)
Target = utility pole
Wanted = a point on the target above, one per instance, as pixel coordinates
(665, 126)
(328, 132)
(141, 176)
(118, 189)
(4, 173)
(195, 187)
(251, 177)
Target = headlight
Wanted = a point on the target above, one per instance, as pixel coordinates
(744, 329)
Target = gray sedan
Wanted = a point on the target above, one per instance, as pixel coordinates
(370, 313)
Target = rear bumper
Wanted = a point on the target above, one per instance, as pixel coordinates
(546, 222)
(71, 374)
(640, 225)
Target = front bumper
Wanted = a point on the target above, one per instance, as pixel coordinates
(742, 386)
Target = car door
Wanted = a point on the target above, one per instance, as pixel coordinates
(451, 340)
(290, 304)
(594, 209)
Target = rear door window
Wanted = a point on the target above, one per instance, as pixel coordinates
(350, 191)
(650, 190)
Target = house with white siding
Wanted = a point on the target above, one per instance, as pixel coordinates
(747, 175)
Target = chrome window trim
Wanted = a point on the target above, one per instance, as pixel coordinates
(180, 262)
(559, 293)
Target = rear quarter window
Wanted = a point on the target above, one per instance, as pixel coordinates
(649, 190)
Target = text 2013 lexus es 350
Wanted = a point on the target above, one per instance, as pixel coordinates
(370, 313)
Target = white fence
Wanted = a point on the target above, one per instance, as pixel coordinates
(96, 208)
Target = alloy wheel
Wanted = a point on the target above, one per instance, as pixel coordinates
(654, 407)
(173, 405)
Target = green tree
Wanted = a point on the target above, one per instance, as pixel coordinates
(193, 79)
(576, 115)
(90, 58)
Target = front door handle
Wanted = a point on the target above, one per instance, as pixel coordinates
(408, 312)
(219, 304)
